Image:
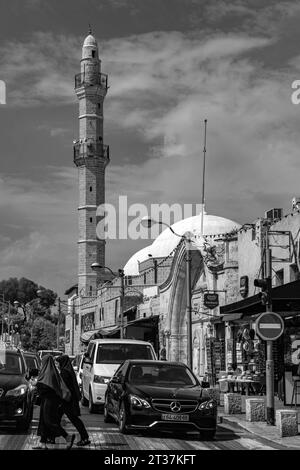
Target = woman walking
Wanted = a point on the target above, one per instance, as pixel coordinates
(71, 408)
(50, 395)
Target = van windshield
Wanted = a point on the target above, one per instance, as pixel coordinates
(118, 353)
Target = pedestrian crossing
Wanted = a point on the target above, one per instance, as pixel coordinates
(111, 439)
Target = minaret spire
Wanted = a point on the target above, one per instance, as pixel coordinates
(90, 29)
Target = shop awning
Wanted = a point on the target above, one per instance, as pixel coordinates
(145, 322)
(108, 331)
(86, 336)
(232, 316)
(285, 298)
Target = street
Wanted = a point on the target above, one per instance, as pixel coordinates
(107, 437)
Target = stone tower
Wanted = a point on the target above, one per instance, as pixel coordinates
(91, 157)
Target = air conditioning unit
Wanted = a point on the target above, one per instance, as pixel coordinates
(295, 203)
(274, 214)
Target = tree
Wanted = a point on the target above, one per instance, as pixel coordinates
(34, 306)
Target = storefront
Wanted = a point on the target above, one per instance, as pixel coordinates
(246, 352)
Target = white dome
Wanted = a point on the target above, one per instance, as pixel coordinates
(131, 268)
(212, 225)
(166, 242)
(90, 41)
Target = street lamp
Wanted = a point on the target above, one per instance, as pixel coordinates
(120, 274)
(147, 222)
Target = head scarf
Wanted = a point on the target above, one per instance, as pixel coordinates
(67, 369)
(49, 375)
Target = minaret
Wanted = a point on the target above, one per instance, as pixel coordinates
(91, 158)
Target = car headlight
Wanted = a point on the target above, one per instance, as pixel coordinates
(101, 380)
(138, 402)
(207, 405)
(17, 392)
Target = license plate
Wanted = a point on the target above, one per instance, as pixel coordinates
(170, 417)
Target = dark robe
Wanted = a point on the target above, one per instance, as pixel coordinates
(49, 390)
(68, 375)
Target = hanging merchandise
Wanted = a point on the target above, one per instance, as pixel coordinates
(239, 336)
(246, 335)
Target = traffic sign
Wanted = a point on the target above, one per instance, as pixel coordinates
(269, 326)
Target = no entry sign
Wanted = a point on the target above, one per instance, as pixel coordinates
(269, 326)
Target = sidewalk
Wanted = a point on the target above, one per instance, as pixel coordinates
(261, 429)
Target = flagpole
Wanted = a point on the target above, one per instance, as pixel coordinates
(203, 175)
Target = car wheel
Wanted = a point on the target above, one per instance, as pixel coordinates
(107, 417)
(92, 408)
(123, 419)
(84, 401)
(207, 435)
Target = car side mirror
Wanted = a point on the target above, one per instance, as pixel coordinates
(75, 368)
(116, 380)
(87, 360)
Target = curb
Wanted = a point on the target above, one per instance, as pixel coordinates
(226, 420)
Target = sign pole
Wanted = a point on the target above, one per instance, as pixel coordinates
(269, 362)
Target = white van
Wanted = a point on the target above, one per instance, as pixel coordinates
(101, 360)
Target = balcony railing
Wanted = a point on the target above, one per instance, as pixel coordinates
(84, 79)
(84, 150)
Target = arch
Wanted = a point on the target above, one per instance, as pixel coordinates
(176, 315)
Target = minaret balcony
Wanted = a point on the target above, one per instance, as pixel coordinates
(83, 150)
(85, 79)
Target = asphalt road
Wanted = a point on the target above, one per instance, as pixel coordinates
(106, 437)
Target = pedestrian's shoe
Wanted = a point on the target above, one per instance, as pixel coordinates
(83, 442)
(40, 446)
(70, 441)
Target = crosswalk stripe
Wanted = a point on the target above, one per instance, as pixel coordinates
(253, 444)
(198, 445)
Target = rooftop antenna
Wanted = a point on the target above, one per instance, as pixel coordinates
(203, 180)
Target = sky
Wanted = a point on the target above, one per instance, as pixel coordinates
(171, 64)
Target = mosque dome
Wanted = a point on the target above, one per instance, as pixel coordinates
(166, 242)
(90, 41)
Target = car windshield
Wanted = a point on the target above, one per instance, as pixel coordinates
(116, 353)
(31, 362)
(161, 375)
(10, 363)
(51, 353)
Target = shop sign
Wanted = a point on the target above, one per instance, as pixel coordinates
(269, 326)
(244, 286)
(211, 300)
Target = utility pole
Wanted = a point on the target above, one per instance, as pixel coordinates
(122, 299)
(269, 361)
(189, 305)
(73, 325)
(58, 323)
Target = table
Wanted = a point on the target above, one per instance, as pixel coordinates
(233, 382)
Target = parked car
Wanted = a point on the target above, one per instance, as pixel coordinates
(32, 362)
(101, 360)
(52, 352)
(77, 366)
(159, 395)
(16, 389)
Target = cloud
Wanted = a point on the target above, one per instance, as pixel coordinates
(162, 87)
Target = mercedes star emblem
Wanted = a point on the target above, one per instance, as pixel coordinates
(175, 406)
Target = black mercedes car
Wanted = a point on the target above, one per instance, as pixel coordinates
(16, 390)
(159, 395)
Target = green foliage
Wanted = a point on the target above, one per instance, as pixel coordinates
(35, 318)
